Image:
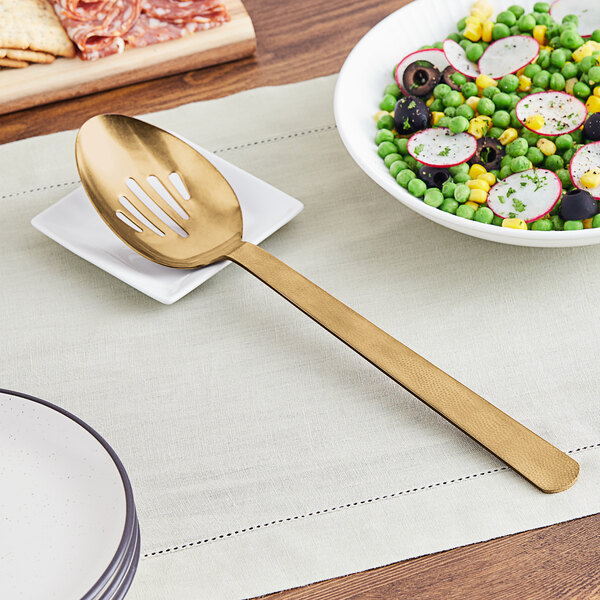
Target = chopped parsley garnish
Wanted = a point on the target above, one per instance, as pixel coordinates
(445, 151)
(510, 192)
(419, 149)
(518, 205)
(412, 104)
(406, 124)
(501, 199)
(512, 215)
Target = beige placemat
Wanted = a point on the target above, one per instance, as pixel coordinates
(263, 453)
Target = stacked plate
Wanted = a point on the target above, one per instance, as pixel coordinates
(68, 526)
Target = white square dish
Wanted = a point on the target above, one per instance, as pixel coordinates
(74, 223)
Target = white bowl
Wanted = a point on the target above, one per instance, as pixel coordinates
(359, 89)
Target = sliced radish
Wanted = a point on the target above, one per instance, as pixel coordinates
(508, 55)
(439, 147)
(584, 160)
(562, 112)
(528, 195)
(588, 12)
(434, 56)
(457, 57)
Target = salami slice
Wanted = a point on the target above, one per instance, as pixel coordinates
(185, 11)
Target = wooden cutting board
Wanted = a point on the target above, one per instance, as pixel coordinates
(71, 77)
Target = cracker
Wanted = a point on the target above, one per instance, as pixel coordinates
(33, 25)
(29, 55)
(15, 64)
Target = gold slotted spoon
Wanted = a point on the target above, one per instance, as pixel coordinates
(112, 150)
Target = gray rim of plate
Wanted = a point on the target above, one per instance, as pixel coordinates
(130, 513)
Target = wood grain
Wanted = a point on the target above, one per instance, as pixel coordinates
(296, 41)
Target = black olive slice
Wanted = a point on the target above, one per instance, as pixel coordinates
(419, 79)
(411, 115)
(577, 205)
(434, 176)
(490, 153)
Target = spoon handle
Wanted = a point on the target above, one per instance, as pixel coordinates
(538, 461)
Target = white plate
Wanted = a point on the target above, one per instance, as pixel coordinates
(66, 504)
(74, 223)
(359, 89)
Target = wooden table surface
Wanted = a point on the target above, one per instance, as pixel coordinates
(301, 40)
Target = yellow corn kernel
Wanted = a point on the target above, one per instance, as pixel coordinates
(473, 32)
(535, 122)
(478, 196)
(514, 223)
(547, 147)
(477, 14)
(597, 91)
(582, 52)
(478, 127)
(569, 85)
(484, 81)
(595, 46)
(473, 205)
(484, 7)
(489, 178)
(593, 104)
(587, 223)
(474, 20)
(430, 101)
(436, 116)
(478, 184)
(539, 33)
(485, 119)
(524, 83)
(380, 114)
(486, 31)
(472, 101)
(591, 179)
(476, 170)
(508, 136)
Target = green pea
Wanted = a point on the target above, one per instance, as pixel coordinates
(531, 69)
(596, 35)
(448, 189)
(557, 222)
(441, 89)
(543, 19)
(557, 82)
(517, 147)
(507, 17)
(541, 80)
(568, 155)
(500, 30)
(536, 90)
(391, 158)
(535, 155)
(565, 178)
(462, 168)
(516, 10)
(412, 163)
(469, 89)
(405, 177)
(433, 196)
(458, 78)
(542, 225)
(462, 178)
(444, 122)
(553, 30)
(520, 163)
(486, 107)
(543, 59)
(577, 136)
(393, 90)
(449, 205)
(464, 110)
(388, 102)
(514, 100)
(474, 52)
(384, 135)
(490, 91)
(509, 84)
(484, 215)
(459, 124)
(552, 69)
(581, 90)
(495, 173)
(465, 44)
(541, 7)
(505, 172)
(461, 24)
(402, 144)
(455, 37)
(497, 221)
(495, 132)
(514, 122)
(569, 70)
(530, 137)
(386, 148)
(385, 122)
(505, 162)
(554, 162)
(437, 105)
(570, 39)
(526, 23)
(452, 98)
(564, 142)
(438, 45)
(464, 211)
(514, 30)
(450, 111)
(573, 225)
(594, 75)
(461, 192)
(586, 63)
(396, 167)
(596, 219)
(557, 58)
(571, 19)
(501, 100)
